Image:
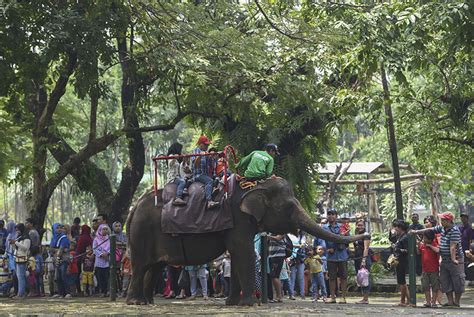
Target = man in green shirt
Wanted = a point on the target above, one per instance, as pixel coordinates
(259, 164)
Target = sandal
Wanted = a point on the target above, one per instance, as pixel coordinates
(426, 305)
(400, 305)
(331, 301)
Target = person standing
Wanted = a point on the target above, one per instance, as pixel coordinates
(337, 258)
(76, 228)
(203, 169)
(297, 262)
(362, 258)
(259, 164)
(3, 236)
(32, 232)
(63, 246)
(21, 245)
(197, 272)
(452, 275)
(467, 234)
(430, 260)
(416, 225)
(276, 256)
(101, 246)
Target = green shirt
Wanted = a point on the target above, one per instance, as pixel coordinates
(257, 165)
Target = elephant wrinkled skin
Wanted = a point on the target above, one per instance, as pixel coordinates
(270, 207)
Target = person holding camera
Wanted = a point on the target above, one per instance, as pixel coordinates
(337, 259)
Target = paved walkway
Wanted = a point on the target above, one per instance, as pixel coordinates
(380, 305)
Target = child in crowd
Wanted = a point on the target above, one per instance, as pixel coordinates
(285, 279)
(321, 251)
(87, 280)
(126, 272)
(315, 264)
(345, 225)
(72, 269)
(429, 251)
(38, 272)
(31, 275)
(226, 273)
(6, 279)
(50, 273)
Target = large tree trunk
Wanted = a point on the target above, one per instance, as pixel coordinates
(133, 172)
(392, 142)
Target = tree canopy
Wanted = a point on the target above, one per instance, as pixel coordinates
(87, 86)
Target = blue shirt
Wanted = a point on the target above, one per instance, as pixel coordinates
(202, 165)
(340, 250)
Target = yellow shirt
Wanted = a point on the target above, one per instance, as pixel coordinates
(314, 263)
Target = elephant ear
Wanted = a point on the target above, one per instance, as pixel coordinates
(254, 203)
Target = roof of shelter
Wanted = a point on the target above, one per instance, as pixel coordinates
(355, 168)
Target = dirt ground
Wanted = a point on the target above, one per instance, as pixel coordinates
(380, 305)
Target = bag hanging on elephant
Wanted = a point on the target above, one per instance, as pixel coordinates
(183, 279)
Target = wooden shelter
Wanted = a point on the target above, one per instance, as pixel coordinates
(366, 177)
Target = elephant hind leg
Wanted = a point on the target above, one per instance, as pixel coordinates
(150, 280)
(135, 294)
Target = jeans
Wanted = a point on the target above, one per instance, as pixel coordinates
(285, 286)
(21, 275)
(62, 279)
(317, 280)
(226, 286)
(193, 276)
(208, 182)
(181, 183)
(297, 273)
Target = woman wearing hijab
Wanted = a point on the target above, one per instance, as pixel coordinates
(83, 241)
(121, 240)
(21, 245)
(10, 250)
(101, 246)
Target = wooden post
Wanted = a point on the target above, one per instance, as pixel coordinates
(264, 258)
(113, 269)
(412, 267)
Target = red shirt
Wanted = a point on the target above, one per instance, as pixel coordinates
(72, 268)
(429, 258)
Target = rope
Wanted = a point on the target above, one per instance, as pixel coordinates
(60, 261)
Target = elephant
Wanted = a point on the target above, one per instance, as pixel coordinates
(269, 207)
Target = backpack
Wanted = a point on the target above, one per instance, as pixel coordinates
(288, 246)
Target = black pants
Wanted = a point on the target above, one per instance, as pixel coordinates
(174, 276)
(78, 280)
(103, 279)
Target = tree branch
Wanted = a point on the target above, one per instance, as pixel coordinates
(275, 27)
(58, 91)
(460, 141)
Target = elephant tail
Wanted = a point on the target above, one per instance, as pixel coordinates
(129, 222)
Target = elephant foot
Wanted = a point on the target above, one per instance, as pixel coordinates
(232, 301)
(248, 301)
(136, 301)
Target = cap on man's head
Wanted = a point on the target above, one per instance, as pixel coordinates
(332, 211)
(446, 215)
(345, 216)
(204, 140)
(464, 214)
(272, 147)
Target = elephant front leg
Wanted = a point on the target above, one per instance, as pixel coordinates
(243, 276)
(234, 293)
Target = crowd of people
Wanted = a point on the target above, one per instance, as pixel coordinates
(77, 260)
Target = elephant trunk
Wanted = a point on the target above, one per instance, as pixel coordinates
(305, 223)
